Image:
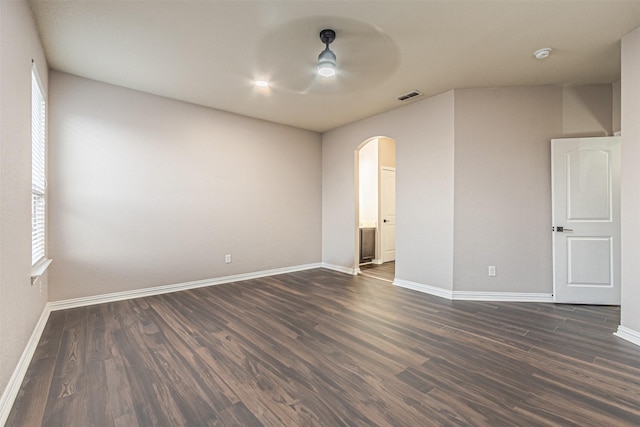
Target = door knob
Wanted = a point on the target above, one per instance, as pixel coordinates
(561, 229)
(384, 220)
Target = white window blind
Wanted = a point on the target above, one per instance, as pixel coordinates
(38, 179)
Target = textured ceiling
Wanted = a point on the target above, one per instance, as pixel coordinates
(209, 52)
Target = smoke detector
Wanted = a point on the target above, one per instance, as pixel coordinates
(542, 53)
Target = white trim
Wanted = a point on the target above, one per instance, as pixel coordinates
(502, 296)
(474, 296)
(377, 261)
(40, 268)
(628, 334)
(380, 234)
(13, 387)
(427, 289)
(341, 269)
(164, 289)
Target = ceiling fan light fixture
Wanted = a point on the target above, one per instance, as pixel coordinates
(327, 63)
(327, 59)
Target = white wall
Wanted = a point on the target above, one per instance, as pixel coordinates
(21, 304)
(617, 105)
(147, 191)
(368, 183)
(423, 132)
(496, 144)
(587, 111)
(503, 179)
(630, 315)
(502, 182)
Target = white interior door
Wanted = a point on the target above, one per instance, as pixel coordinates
(388, 213)
(586, 220)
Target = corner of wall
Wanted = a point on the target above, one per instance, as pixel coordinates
(616, 100)
(630, 126)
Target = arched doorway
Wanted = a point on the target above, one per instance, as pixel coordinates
(375, 168)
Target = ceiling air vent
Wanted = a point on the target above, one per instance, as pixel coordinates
(409, 95)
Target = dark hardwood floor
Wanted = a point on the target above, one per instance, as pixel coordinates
(385, 271)
(319, 348)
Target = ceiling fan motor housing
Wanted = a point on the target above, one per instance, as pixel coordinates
(327, 36)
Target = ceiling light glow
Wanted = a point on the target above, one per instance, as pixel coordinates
(261, 83)
(327, 63)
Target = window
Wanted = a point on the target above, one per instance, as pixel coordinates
(38, 180)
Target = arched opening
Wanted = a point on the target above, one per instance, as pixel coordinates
(375, 169)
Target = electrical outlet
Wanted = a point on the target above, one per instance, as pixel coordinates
(492, 271)
(227, 259)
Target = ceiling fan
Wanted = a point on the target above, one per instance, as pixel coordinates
(287, 55)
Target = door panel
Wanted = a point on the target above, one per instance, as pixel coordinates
(586, 220)
(590, 261)
(588, 185)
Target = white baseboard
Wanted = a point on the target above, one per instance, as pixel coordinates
(13, 387)
(502, 296)
(474, 296)
(420, 287)
(158, 290)
(628, 334)
(341, 269)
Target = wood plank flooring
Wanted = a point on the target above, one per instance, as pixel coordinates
(319, 348)
(385, 271)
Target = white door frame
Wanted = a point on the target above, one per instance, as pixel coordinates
(381, 219)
